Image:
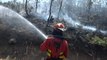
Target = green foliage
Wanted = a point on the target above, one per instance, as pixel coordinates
(99, 41)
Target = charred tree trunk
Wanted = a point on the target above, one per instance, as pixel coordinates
(49, 12)
(88, 9)
(49, 18)
(26, 8)
(36, 5)
(50, 8)
(14, 1)
(14, 7)
(24, 3)
(60, 9)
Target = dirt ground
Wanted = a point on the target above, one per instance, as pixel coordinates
(32, 52)
(19, 52)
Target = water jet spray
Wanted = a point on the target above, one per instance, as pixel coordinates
(15, 22)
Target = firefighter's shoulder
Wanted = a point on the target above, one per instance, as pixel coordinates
(65, 41)
(50, 37)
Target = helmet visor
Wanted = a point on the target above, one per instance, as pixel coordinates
(62, 29)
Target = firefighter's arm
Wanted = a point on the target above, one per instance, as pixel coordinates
(43, 46)
(66, 49)
(65, 53)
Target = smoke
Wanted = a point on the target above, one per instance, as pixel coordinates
(71, 21)
(43, 8)
(65, 13)
(104, 32)
(89, 28)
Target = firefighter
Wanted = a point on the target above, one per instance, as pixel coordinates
(55, 46)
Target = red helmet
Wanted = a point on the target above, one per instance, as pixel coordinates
(60, 26)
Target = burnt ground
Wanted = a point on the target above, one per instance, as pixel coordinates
(30, 51)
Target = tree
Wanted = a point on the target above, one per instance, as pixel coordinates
(50, 8)
(36, 5)
(26, 7)
(89, 5)
(49, 18)
(23, 3)
(60, 8)
(14, 1)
